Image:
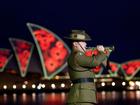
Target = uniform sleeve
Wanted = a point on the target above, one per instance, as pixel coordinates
(89, 61)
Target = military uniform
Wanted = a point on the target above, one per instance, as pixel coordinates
(83, 90)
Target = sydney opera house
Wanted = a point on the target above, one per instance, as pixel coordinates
(41, 65)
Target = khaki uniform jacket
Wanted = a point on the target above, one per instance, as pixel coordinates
(79, 67)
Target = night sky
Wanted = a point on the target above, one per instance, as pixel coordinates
(108, 22)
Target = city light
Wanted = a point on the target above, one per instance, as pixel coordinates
(14, 86)
(33, 86)
(123, 83)
(113, 83)
(62, 85)
(4, 86)
(102, 84)
(39, 87)
(131, 83)
(137, 83)
(53, 86)
(23, 86)
(43, 86)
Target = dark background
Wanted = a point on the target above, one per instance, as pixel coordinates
(109, 22)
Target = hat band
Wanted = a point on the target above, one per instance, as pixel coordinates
(79, 36)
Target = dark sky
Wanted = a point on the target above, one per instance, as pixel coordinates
(109, 22)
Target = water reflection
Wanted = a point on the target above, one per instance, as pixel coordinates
(5, 98)
(14, 97)
(119, 98)
(104, 98)
(33, 97)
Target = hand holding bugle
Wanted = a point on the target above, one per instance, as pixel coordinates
(99, 49)
(103, 49)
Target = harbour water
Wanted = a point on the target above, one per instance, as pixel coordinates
(104, 98)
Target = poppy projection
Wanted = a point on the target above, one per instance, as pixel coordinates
(5, 56)
(130, 68)
(23, 51)
(52, 50)
(114, 68)
(98, 70)
(53, 53)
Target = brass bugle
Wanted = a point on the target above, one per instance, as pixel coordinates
(111, 48)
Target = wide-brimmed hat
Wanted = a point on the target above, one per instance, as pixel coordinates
(79, 35)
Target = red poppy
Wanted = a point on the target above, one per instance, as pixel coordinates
(46, 40)
(50, 38)
(44, 46)
(60, 62)
(130, 71)
(96, 69)
(124, 66)
(43, 32)
(95, 52)
(134, 64)
(24, 54)
(4, 52)
(59, 44)
(113, 67)
(3, 60)
(131, 67)
(44, 35)
(22, 44)
(91, 52)
(51, 64)
(137, 65)
(58, 54)
(38, 37)
(23, 59)
(18, 50)
(37, 32)
(40, 32)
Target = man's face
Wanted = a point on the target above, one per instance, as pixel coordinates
(80, 45)
(83, 44)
